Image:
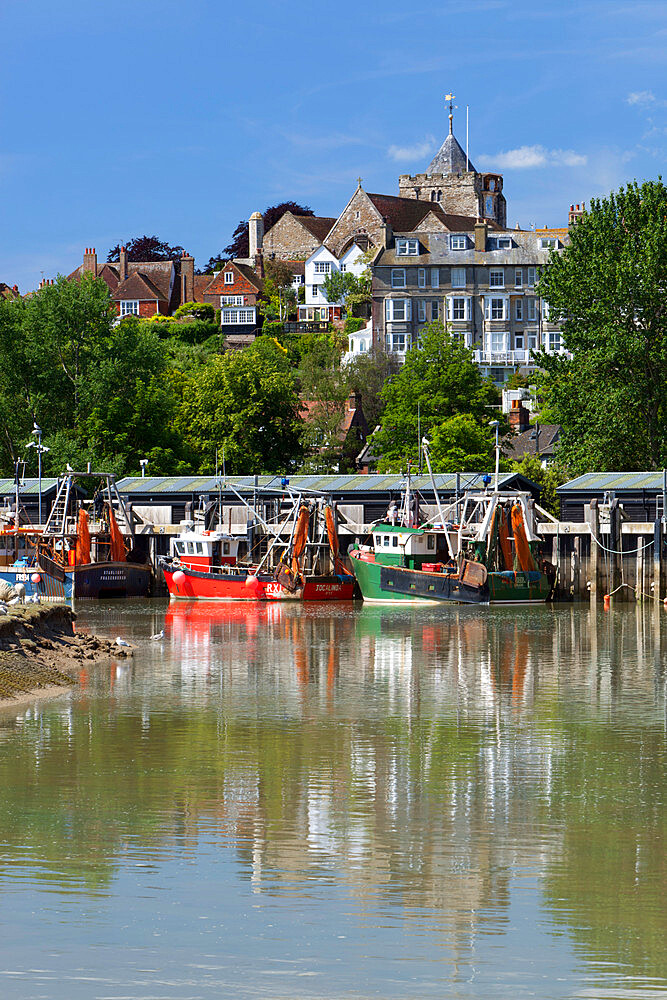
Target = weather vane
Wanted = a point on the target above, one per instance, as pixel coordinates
(452, 106)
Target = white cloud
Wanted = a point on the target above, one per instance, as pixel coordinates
(531, 157)
(409, 154)
(642, 97)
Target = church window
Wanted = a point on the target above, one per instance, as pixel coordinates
(229, 277)
(439, 195)
(398, 277)
(458, 242)
(496, 278)
(407, 248)
(458, 277)
(433, 195)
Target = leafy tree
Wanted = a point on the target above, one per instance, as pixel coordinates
(279, 296)
(240, 242)
(247, 403)
(145, 248)
(352, 290)
(438, 380)
(198, 310)
(367, 374)
(608, 290)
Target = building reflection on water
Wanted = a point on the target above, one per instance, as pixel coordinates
(420, 758)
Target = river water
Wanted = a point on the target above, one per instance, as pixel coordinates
(349, 801)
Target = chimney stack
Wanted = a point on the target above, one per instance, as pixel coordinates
(259, 263)
(90, 261)
(187, 278)
(122, 264)
(481, 230)
(255, 234)
(519, 417)
(576, 212)
(386, 234)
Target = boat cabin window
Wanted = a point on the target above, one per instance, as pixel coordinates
(191, 548)
(386, 540)
(225, 548)
(180, 547)
(199, 548)
(394, 541)
(430, 544)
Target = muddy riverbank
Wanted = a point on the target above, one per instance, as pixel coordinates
(40, 650)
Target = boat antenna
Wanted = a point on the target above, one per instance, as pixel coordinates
(425, 448)
(419, 433)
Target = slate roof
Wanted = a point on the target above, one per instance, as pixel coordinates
(527, 442)
(450, 159)
(613, 481)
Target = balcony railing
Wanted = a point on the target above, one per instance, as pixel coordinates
(517, 357)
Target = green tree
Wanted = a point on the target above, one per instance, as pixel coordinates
(324, 390)
(367, 374)
(608, 290)
(247, 403)
(439, 380)
(352, 290)
(146, 248)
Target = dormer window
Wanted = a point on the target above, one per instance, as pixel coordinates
(504, 243)
(229, 277)
(548, 243)
(458, 242)
(407, 248)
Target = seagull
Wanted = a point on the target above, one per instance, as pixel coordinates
(69, 468)
(158, 635)
(121, 642)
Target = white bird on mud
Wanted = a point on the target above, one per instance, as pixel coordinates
(158, 635)
(121, 642)
(14, 600)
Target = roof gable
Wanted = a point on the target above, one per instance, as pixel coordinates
(138, 286)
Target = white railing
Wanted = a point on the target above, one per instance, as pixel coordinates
(502, 357)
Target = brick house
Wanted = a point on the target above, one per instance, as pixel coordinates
(143, 288)
(236, 290)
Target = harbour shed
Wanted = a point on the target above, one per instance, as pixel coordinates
(639, 494)
(28, 498)
(361, 499)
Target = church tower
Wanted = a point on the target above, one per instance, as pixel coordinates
(453, 183)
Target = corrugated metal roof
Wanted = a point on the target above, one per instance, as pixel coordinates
(608, 481)
(373, 483)
(26, 486)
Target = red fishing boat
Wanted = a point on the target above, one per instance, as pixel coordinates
(208, 564)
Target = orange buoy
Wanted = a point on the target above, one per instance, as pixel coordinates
(607, 601)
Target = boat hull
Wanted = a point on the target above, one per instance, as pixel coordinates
(101, 581)
(47, 587)
(382, 584)
(191, 585)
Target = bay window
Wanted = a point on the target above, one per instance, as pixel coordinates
(495, 308)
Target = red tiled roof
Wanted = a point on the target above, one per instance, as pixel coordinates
(405, 214)
(138, 286)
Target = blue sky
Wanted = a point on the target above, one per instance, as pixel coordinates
(180, 118)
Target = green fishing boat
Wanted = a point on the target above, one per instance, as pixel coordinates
(481, 549)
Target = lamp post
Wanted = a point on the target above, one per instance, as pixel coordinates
(495, 424)
(41, 450)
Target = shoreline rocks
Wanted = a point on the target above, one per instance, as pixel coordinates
(39, 648)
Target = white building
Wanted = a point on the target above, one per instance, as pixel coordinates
(320, 265)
